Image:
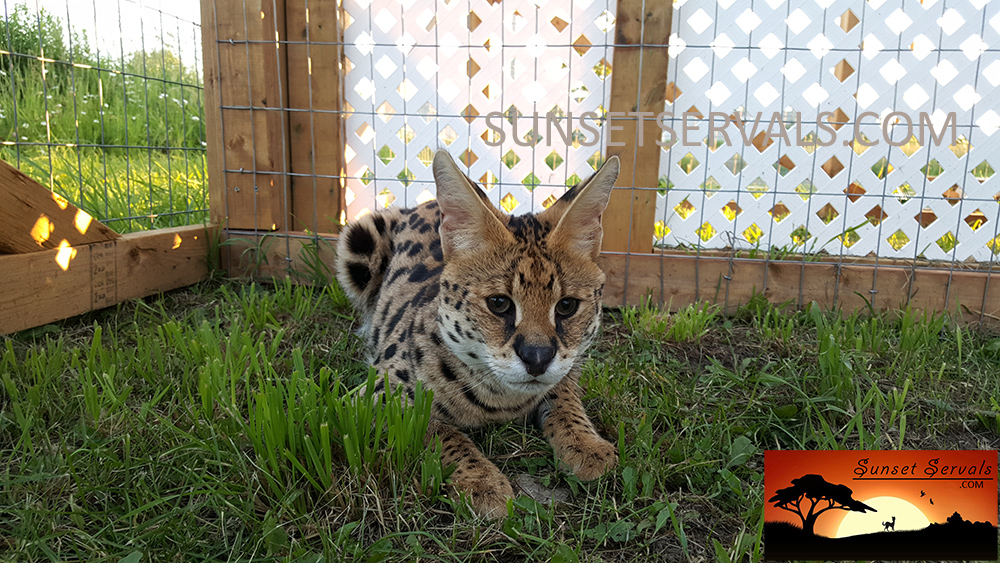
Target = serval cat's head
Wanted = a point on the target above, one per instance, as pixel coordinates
(520, 295)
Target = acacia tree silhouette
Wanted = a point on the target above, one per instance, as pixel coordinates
(816, 490)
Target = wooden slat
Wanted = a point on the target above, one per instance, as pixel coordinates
(250, 72)
(638, 84)
(213, 115)
(316, 138)
(46, 286)
(682, 280)
(33, 218)
(677, 281)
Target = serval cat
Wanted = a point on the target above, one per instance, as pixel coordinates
(492, 312)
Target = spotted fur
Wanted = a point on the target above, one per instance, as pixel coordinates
(422, 280)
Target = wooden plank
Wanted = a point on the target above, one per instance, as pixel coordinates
(250, 77)
(215, 146)
(678, 281)
(33, 218)
(638, 84)
(316, 134)
(50, 285)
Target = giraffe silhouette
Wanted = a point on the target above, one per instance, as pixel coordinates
(922, 494)
(891, 524)
(932, 501)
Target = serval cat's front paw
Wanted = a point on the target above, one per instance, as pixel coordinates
(488, 495)
(590, 457)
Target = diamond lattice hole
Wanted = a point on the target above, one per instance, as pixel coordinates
(827, 213)
(660, 230)
(904, 192)
(385, 154)
(983, 171)
(762, 141)
(953, 194)
(688, 163)
(491, 136)
(710, 186)
(406, 89)
(976, 219)
(752, 234)
(832, 167)
(549, 201)
(838, 119)
(961, 146)
(385, 198)
(386, 112)
(448, 135)
(875, 215)
(531, 181)
(468, 158)
(470, 113)
(602, 69)
(582, 45)
(427, 112)
(859, 147)
(406, 134)
(994, 245)
(488, 181)
(779, 212)
(848, 21)
(800, 236)
(559, 23)
(843, 70)
(509, 203)
(673, 92)
(406, 177)
(849, 238)
(784, 165)
(366, 175)
(758, 188)
(474, 21)
(932, 169)
(731, 210)
(882, 168)
(511, 159)
(365, 133)
(553, 160)
(472, 67)
(684, 209)
(425, 156)
(854, 192)
(706, 232)
(898, 240)
(926, 217)
(910, 147)
(947, 242)
(805, 190)
(736, 164)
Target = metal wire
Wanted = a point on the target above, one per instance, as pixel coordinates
(70, 151)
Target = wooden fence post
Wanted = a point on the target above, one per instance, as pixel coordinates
(246, 91)
(638, 84)
(315, 124)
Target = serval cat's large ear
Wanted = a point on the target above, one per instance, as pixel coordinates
(579, 210)
(468, 221)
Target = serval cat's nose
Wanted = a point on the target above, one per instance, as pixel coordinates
(536, 358)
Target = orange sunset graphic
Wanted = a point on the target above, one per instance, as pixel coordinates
(913, 504)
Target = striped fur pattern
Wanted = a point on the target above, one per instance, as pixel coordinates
(492, 312)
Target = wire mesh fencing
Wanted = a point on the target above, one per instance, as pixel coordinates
(102, 101)
(839, 151)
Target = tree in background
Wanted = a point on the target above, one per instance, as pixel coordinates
(811, 491)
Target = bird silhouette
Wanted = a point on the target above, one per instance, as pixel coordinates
(932, 501)
(922, 494)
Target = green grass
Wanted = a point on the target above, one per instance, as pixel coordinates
(215, 423)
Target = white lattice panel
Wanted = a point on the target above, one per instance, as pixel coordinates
(845, 56)
(423, 74)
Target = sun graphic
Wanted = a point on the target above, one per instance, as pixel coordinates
(907, 517)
